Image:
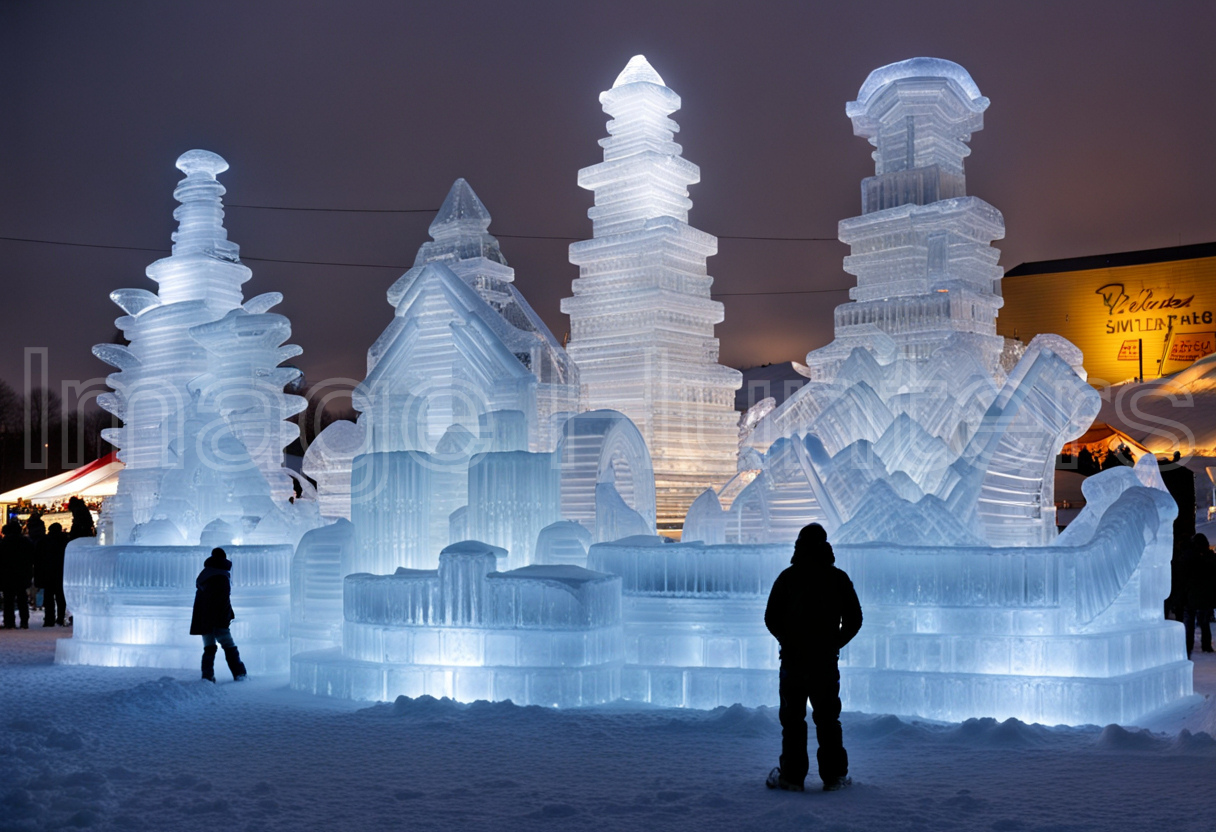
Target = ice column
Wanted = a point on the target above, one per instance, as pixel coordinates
(641, 317)
(920, 249)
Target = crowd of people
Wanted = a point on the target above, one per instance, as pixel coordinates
(31, 563)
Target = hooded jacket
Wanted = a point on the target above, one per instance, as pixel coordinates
(812, 609)
(212, 596)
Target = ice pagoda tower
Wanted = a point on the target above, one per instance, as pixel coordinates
(199, 359)
(921, 248)
(641, 317)
(200, 394)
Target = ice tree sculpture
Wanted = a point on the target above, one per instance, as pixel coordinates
(641, 317)
(931, 463)
(200, 394)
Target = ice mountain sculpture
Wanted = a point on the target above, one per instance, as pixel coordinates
(201, 396)
(926, 446)
(641, 317)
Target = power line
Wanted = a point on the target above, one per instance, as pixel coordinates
(508, 236)
(394, 266)
(784, 292)
(336, 210)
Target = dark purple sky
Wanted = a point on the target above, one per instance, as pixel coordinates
(1101, 137)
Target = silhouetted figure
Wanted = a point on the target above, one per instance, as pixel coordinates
(82, 519)
(213, 613)
(812, 611)
(16, 570)
(35, 530)
(1200, 580)
(54, 603)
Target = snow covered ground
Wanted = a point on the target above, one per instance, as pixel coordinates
(141, 749)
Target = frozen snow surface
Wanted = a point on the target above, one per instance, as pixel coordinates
(129, 749)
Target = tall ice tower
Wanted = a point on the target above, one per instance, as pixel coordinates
(641, 318)
(921, 248)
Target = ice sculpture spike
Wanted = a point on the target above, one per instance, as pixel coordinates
(641, 316)
(638, 70)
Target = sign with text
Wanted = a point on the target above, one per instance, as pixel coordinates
(1191, 346)
(1130, 351)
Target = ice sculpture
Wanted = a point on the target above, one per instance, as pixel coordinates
(329, 460)
(540, 635)
(464, 401)
(641, 317)
(322, 557)
(930, 460)
(204, 414)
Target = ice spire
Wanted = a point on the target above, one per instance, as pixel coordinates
(197, 356)
(460, 231)
(641, 318)
(921, 249)
(638, 70)
(201, 214)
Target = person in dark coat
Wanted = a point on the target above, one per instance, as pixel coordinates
(213, 613)
(812, 611)
(16, 572)
(82, 519)
(1200, 580)
(53, 601)
(35, 530)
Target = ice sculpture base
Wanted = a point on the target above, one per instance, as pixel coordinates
(1050, 700)
(704, 688)
(328, 673)
(132, 605)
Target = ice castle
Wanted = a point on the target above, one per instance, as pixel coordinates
(490, 521)
(641, 317)
(468, 476)
(200, 394)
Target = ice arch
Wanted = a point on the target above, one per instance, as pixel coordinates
(604, 446)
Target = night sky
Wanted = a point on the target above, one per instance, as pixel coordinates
(1101, 137)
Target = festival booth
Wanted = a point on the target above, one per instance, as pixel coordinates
(93, 483)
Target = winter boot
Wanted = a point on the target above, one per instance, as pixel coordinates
(838, 784)
(209, 663)
(776, 781)
(233, 657)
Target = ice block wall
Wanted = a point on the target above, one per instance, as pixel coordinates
(540, 635)
(641, 316)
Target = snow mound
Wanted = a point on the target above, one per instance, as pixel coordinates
(747, 722)
(165, 694)
(989, 733)
(1118, 738)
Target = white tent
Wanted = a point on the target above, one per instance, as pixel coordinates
(93, 481)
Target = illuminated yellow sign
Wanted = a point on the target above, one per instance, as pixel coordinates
(1156, 315)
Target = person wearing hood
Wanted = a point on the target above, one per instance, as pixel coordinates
(1200, 593)
(213, 614)
(53, 600)
(16, 570)
(812, 611)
